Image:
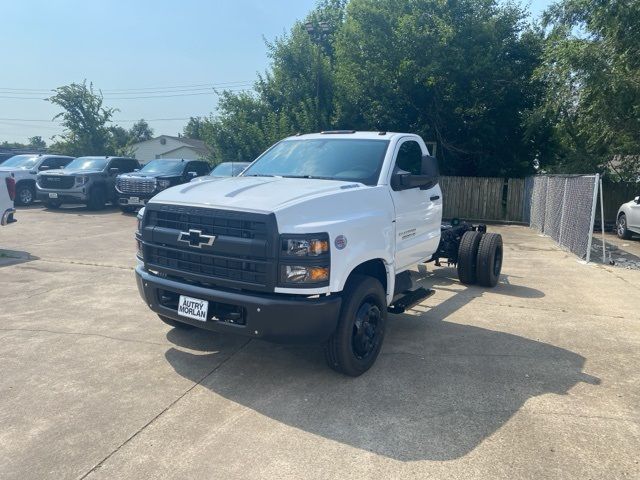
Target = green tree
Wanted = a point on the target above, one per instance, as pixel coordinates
(140, 131)
(196, 128)
(37, 142)
(591, 73)
(457, 73)
(84, 119)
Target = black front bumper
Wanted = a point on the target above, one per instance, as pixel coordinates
(273, 317)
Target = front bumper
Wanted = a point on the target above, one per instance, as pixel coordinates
(7, 216)
(273, 317)
(70, 195)
(125, 199)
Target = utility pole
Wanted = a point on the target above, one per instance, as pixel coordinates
(318, 34)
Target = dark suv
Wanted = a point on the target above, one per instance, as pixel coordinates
(135, 189)
(88, 180)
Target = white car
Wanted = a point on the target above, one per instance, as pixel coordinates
(7, 194)
(25, 169)
(628, 220)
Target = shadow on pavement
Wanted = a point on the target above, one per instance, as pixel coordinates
(437, 391)
(81, 210)
(15, 257)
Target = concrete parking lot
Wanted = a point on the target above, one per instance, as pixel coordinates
(537, 378)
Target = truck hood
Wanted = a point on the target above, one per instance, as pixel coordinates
(258, 194)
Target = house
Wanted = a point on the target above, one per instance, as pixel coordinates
(166, 146)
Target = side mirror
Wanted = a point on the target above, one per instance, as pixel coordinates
(136, 169)
(113, 171)
(44, 167)
(427, 179)
(192, 174)
(637, 200)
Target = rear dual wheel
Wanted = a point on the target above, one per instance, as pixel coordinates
(480, 258)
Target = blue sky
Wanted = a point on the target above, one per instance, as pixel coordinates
(135, 45)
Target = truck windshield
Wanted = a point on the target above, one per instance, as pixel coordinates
(21, 161)
(87, 163)
(166, 167)
(353, 160)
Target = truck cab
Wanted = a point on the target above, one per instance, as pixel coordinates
(313, 242)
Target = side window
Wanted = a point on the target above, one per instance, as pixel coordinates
(49, 162)
(63, 162)
(131, 165)
(409, 157)
(202, 168)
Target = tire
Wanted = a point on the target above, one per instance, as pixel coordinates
(489, 262)
(25, 195)
(97, 198)
(353, 348)
(52, 204)
(175, 323)
(621, 227)
(468, 257)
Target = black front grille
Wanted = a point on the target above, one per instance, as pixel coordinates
(56, 181)
(228, 224)
(242, 255)
(243, 270)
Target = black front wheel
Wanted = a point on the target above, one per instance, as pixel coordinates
(97, 198)
(355, 345)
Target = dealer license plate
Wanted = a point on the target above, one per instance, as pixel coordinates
(53, 195)
(134, 200)
(193, 308)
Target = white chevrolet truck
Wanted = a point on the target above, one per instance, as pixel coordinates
(313, 242)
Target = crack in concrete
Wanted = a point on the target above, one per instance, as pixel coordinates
(88, 264)
(82, 334)
(162, 412)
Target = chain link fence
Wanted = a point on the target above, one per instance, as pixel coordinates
(563, 207)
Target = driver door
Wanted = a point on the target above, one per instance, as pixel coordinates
(418, 212)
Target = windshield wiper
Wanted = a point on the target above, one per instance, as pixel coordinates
(259, 175)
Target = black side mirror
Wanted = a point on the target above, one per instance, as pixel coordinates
(113, 171)
(427, 179)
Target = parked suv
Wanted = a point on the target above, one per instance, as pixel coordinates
(7, 195)
(88, 180)
(135, 189)
(25, 169)
(628, 220)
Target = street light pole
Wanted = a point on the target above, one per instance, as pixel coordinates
(318, 34)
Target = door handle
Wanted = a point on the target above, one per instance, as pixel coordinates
(434, 198)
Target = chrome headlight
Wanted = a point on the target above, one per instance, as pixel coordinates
(304, 260)
(162, 184)
(81, 179)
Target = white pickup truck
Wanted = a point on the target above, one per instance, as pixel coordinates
(313, 242)
(7, 195)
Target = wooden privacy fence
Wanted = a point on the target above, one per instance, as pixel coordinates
(508, 199)
(483, 198)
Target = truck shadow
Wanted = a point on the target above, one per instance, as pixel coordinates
(436, 392)
(15, 257)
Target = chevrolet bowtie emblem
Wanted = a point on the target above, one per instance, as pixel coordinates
(195, 238)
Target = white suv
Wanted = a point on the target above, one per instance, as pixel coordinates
(25, 169)
(7, 194)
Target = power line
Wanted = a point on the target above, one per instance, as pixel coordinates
(213, 92)
(167, 89)
(114, 120)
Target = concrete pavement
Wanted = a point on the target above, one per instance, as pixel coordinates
(537, 378)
